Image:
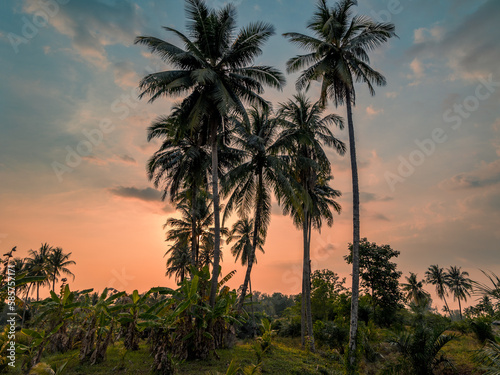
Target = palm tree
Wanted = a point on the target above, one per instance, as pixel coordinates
(303, 136)
(338, 56)
(415, 290)
(38, 265)
(253, 180)
(459, 283)
(181, 231)
(58, 263)
(435, 275)
(181, 162)
(179, 258)
(19, 265)
(243, 234)
(214, 71)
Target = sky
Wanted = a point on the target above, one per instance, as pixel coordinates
(73, 145)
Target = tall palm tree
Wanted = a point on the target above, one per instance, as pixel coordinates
(214, 71)
(303, 137)
(58, 263)
(253, 181)
(338, 56)
(415, 290)
(38, 265)
(459, 284)
(435, 275)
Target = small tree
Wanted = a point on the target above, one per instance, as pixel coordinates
(326, 287)
(379, 278)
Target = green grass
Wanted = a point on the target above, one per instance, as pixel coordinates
(285, 358)
(460, 351)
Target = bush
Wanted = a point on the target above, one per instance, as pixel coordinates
(289, 327)
(482, 329)
(331, 335)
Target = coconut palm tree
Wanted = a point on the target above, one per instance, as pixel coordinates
(179, 258)
(459, 284)
(181, 162)
(415, 290)
(38, 265)
(435, 275)
(214, 71)
(338, 56)
(58, 263)
(243, 234)
(181, 229)
(304, 135)
(252, 182)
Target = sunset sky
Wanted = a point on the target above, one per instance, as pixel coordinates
(428, 142)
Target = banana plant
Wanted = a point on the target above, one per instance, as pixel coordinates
(185, 326)
(129, 318)
(55, 313)
(99, 322)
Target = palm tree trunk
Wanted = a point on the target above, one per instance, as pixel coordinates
(215, 193)
(193, 226)
(256, 228)
(37, 291)
(448, 307)
(306, 320)
(303, 321)
(54, 282)
(308, 289)
(355, 242)
(460, 308)
(251, 306)
(25, 304)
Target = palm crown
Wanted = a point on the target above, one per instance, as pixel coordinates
(339, 51)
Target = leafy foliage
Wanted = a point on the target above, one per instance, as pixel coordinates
(379, 278)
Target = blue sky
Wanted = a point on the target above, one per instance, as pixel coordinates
(69, 73)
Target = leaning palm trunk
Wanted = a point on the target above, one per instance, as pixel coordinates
(256, 229)
(215, 192)
(447, 307)
(355, 242)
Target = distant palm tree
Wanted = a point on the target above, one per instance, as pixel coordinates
(304, 133)
(435, 275)
(242, 233)
(459, 283)
(338, 56)
(38, 265)
(180, 163)
(214, 71)
(58, 263)
(19, 267)
(179, 258)
(415, 290)
(181, 231)
(252, 182)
